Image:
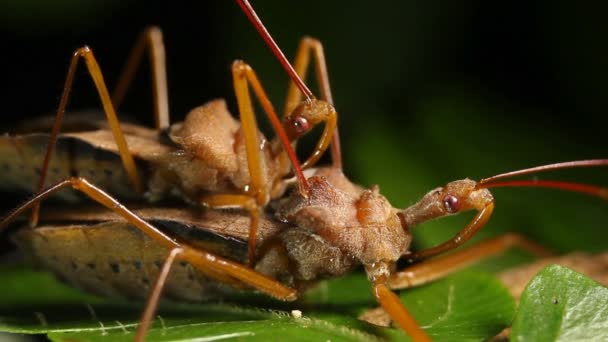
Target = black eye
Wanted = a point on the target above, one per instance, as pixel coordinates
(451, 204)
(300, 124)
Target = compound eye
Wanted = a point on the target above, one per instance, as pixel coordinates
(451, 203)
(300, 124)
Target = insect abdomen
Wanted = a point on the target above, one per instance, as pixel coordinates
(21, 160)
(114, 260)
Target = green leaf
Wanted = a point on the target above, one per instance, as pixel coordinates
(275, 326)
(469, 306)
(465, 307)
(562, 305)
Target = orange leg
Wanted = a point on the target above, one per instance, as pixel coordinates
(243, 75)
(257, 194)
(463, 235)
(206, 262)
(152, 38)
(398, 313)
(316, 111)
(246, 202)
(97, 76)
(214, 266)
(310, 46)
(429, 270)
(154, 296)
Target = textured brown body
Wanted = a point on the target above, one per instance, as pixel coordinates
(22, 156)
(103, 254)
(301, 240)
(204, 154)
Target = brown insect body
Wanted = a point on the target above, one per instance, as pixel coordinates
(364, 225)
(210, 156)
(292, 248)
(120, 261)
(360, 222)
(85, 151)
(337, 227)
(206, 154)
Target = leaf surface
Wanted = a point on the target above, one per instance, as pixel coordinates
(562, 305)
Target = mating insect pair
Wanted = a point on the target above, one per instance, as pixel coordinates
(326, 218)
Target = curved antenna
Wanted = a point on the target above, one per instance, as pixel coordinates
(259, 26)
(549, 167)
(588, 189)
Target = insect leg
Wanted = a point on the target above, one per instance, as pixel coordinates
(206, 262)
(310, 46)
(246, 202)
(330, 121)
(151, 38)
(398, 313)
(154, 296)
(257, 194)
(461, 237)
(430, 270)
(127, 159)
(243, 76)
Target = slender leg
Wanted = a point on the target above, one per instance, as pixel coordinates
(206, 262)
(321, 110)
(398, 313)
(152, 38)
(97, 76)
(257, 195)
(154, 296)
(258, 182)
(155, 293)
(246, 202)
(429, 270)
(243, 76)
(307, 47)
(463, 235)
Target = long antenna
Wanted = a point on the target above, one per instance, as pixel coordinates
(591, 190)
(259, 26)
(556, 166)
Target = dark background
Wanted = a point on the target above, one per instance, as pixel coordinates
(428, 91)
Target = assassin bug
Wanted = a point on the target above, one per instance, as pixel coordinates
(359, 227)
